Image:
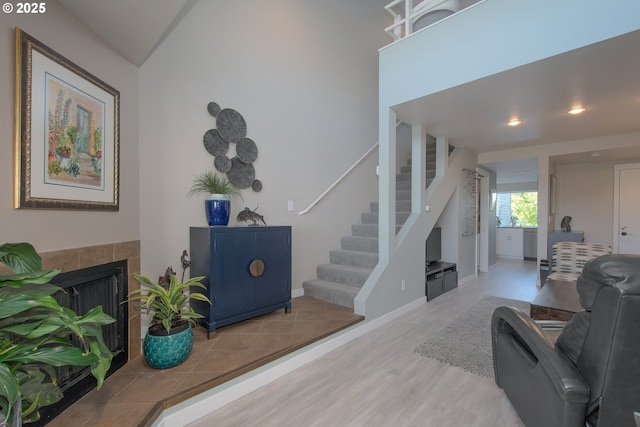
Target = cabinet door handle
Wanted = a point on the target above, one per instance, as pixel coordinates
(256, 268)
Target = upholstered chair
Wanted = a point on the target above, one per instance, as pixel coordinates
(568, 258)
(591, 374)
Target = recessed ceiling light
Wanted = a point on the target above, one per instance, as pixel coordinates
(514, 122)
(577, 110)
(594, 154)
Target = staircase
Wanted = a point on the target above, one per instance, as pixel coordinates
(340, 280)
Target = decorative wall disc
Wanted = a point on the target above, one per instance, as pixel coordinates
(232, 128)
(231, 125)
(246, 150)
(241, 174)
(213, 108)
(222, 163)
(214, 143)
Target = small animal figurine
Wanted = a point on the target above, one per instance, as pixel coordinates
(247, 214)
(565, 225)
(184, 260)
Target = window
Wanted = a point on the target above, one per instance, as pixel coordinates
(517, 209)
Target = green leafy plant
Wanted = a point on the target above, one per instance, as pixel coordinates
(524, 206)
(97, 136)
(72, 132)
(211, 183)
(36, 334)
(168, 306)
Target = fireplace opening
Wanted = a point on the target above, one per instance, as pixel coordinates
(84, 289)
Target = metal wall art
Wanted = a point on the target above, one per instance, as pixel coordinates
(231, 129)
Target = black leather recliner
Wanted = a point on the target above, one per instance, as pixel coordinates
(591, 374)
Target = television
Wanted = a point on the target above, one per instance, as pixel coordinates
(433, 246)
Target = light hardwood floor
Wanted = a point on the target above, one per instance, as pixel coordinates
(378, 379)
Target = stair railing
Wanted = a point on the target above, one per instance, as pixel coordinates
(409, 12)
(340, 178)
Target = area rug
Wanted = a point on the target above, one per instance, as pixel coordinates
(466, 341)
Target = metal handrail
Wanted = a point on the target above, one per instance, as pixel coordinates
(341, 177)
(337, 181)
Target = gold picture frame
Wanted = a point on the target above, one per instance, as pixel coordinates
(67, 133)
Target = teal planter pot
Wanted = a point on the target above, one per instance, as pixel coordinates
(162, 350)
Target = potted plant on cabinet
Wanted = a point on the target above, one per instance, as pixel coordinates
(36, 335)
(169, 337)
(219, 193)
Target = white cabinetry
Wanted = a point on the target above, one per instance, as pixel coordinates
(509, 243)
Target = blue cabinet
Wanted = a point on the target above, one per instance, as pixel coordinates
(247, 272)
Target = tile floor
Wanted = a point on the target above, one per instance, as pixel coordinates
(134, 393)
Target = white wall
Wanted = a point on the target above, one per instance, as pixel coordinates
(517, 187)
(303, 74)
(585, 193)
(484, 39)
(51, 230)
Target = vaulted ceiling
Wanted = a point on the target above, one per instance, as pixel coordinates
(604, 77)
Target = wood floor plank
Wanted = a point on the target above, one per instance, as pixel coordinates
(378, 379)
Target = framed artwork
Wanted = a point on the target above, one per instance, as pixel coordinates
(67, 133)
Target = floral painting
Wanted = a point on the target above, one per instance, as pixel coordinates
(74, 137)
(67, 133)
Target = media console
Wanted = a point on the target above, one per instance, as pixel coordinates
(440, 277)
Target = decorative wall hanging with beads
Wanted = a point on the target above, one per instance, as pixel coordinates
(232, 129)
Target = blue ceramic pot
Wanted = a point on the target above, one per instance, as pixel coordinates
(162, 350)
(218, 207)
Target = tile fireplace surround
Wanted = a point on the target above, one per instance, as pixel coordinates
(73, 259)
(136, 394)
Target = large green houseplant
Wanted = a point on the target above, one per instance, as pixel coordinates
(36, 334)
(169, 338)
(219, 192)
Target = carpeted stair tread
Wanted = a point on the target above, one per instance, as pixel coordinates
(364, 230)
(367, 230)
(403, 185)
(360, 243)
(332, 292)
(339, 281)
(344, 274)
(355, 258)
(372, 217)
(400, 177)
(401, 206)
(403, 195)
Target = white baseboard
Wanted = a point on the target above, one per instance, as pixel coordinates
(211, 400)
(299, 292)
(466, 279)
